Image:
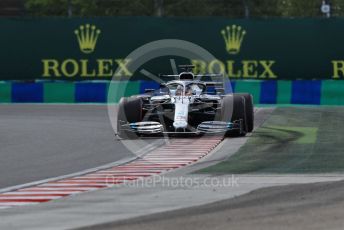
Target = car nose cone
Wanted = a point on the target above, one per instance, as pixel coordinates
(180, 124)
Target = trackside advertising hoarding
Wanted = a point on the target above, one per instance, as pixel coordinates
(94, 48)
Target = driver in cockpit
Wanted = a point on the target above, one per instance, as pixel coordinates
(179, 91)
(192, 90)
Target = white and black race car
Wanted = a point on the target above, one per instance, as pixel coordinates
(185, 106)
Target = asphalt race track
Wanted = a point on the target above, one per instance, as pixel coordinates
(43, 141)
(54, 140)
(297, 207)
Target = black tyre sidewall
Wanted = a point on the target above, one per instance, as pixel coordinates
(249, 110)
(129, 111)
(235, 103)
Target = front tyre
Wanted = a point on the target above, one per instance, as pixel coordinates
(233, 109)
(129, 111)
(249, 110)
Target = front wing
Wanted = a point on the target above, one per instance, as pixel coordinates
(207, 127)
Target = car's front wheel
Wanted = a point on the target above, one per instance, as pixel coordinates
(129, 111)
(233, 109)
(248, 110)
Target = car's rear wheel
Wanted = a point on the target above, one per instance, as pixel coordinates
(129, 111)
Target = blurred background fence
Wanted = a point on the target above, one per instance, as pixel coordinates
(172, 8)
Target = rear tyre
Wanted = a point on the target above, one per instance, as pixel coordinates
(249, 110)
(129, 111)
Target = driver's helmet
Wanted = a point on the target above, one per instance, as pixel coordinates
(179, 90)
(189, 90)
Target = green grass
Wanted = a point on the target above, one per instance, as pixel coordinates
(292, 140)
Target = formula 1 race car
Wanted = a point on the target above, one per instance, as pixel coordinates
(186, 106)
